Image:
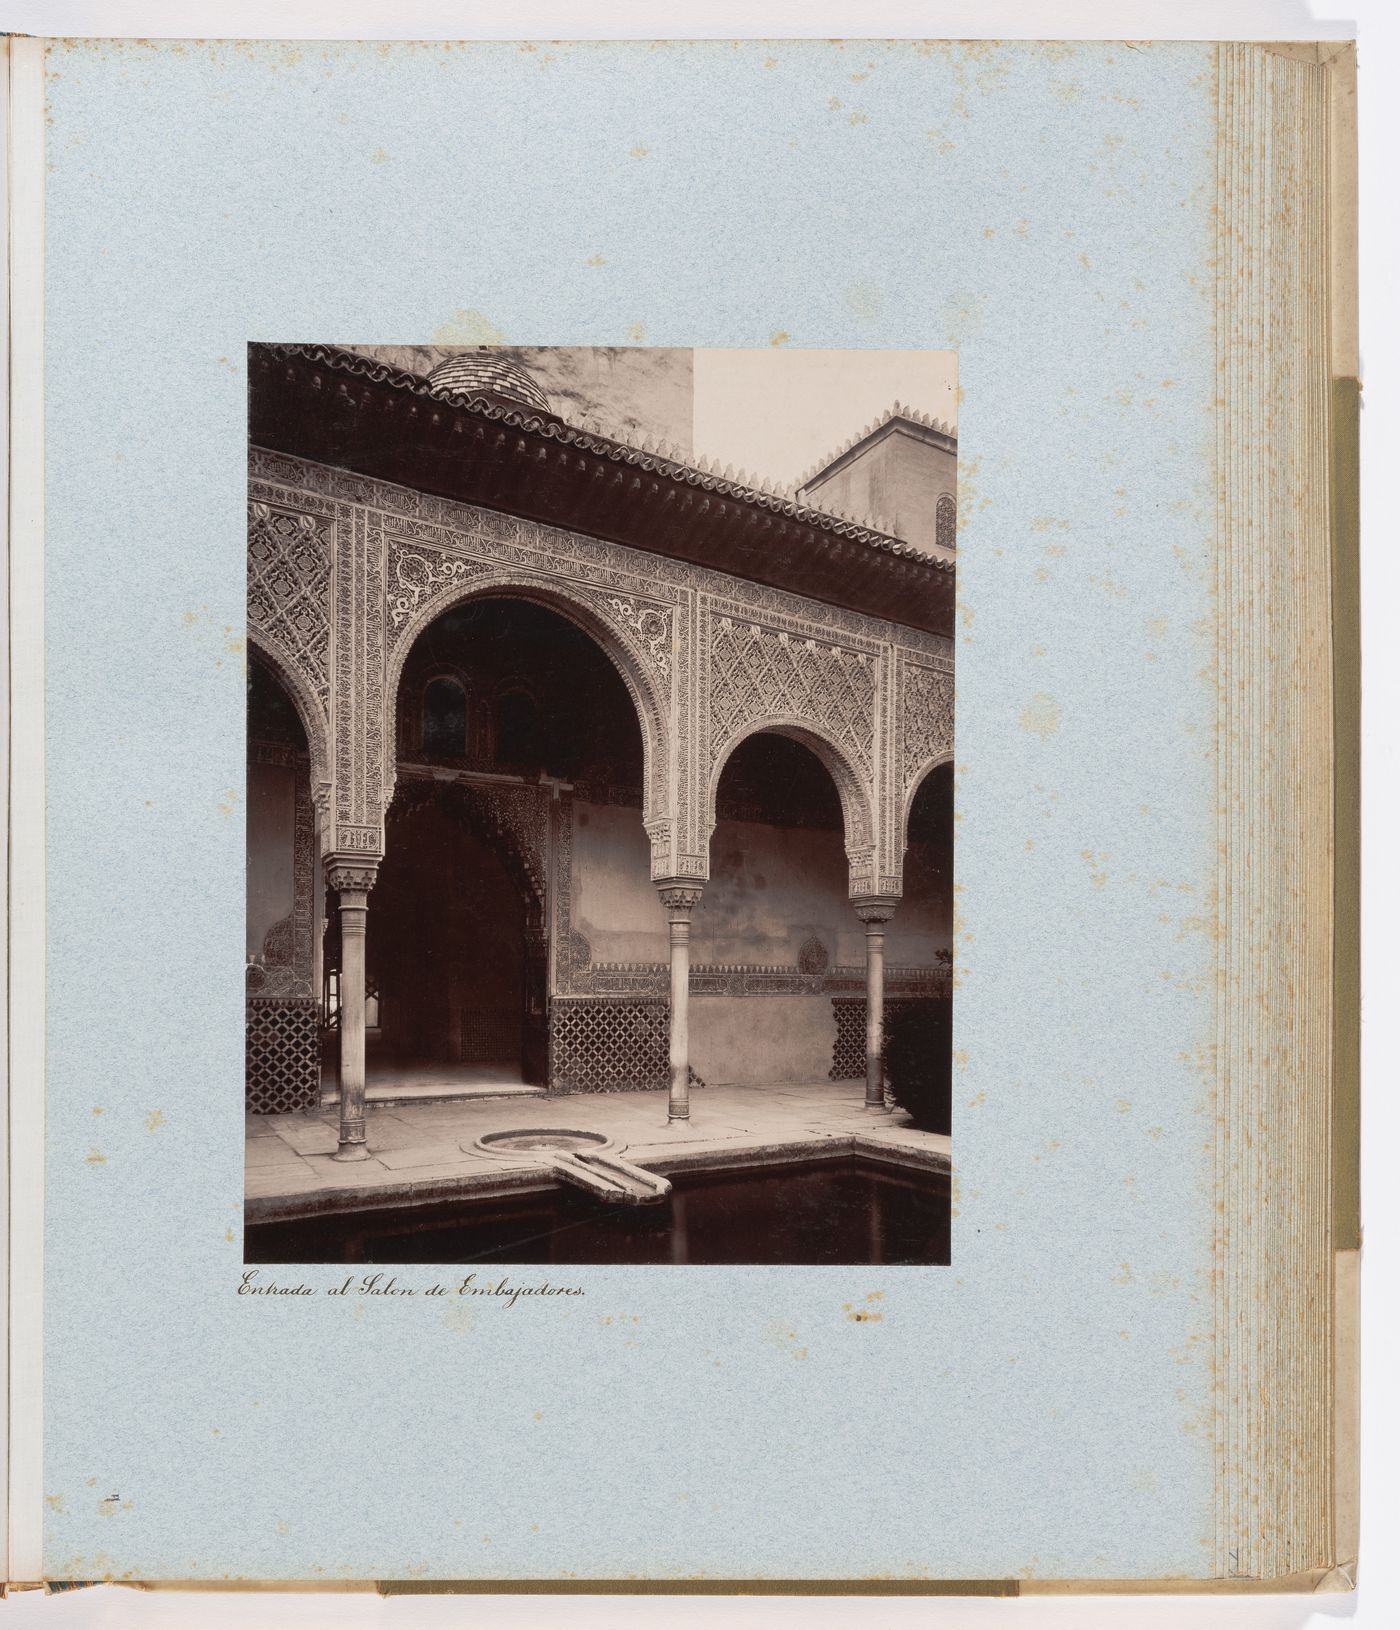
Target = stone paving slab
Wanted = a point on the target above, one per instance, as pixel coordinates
(377, 1189)
(330, 1174)
(279, 1123)
(663, 1155)
(454, 1114)
(911, 1137)
(431, 1154)
(449, 1175)
(384, 1130)
(266, 1186)
(270, 1152)
(312, 1139)
(416, 1151)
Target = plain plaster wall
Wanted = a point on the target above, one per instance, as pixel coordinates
(771, 890)
(614, 903)
(761, 1039)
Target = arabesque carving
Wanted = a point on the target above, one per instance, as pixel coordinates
(928, 720)
(707, 658)
(758, 673)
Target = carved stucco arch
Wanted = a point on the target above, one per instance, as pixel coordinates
(911, 792)
(651, 707)
(857, 811)
(308, 709)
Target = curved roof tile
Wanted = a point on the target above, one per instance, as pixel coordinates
(479, 373)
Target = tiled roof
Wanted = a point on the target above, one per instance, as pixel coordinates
(644, 457)
(900, 410)
(479, 373)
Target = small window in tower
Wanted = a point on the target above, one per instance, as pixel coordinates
(444, 719)
(946, 533)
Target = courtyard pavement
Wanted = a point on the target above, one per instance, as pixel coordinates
(416, 1152)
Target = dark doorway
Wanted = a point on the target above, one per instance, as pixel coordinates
(447, 949)
(928, 861)
(502, 705)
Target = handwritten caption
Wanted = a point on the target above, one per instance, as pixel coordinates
(500, 1291)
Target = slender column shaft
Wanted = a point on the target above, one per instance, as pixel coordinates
(318, 912)
(352, 1026)
(679, 903)
(678, 1107)
(352, 881)
(874, 1016)
(875, 915)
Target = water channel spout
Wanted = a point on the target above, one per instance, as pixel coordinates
(587, 1160)
(610, 1178)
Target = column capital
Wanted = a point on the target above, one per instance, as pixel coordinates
(351, 872)
(680, 897)
(875, 908)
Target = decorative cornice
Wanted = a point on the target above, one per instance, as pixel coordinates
(648, 460)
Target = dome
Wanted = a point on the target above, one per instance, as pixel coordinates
(484, 373)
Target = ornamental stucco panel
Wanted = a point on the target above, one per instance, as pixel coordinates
(291, 550)
(405, 558)
(928, 720)
(923, 734)
(446, 567)
(775, 672)
(418, 576)
(707, 658)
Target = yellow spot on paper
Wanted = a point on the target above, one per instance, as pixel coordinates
(467, 327)
(1041, 716)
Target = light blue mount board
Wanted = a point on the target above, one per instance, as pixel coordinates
(1041, 1407)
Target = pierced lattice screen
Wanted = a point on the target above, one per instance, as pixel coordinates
(598, 1044)
(848, 1052)
(283, 1058)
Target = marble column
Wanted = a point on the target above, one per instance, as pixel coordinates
(680, 900)
(875, 914)
(352, 877)
(320, 803)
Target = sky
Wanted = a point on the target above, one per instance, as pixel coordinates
(775, 412)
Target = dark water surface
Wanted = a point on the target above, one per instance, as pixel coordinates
(833, 1212)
